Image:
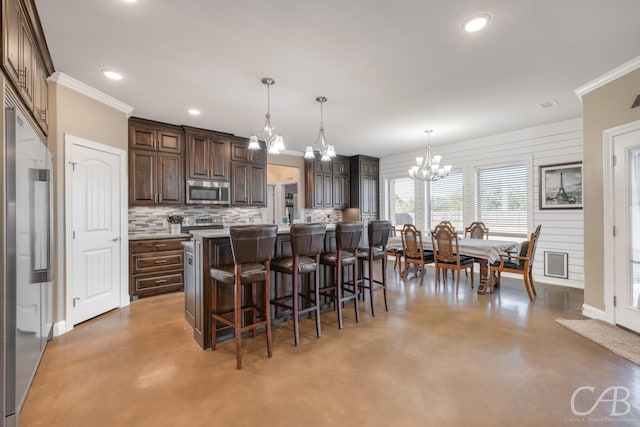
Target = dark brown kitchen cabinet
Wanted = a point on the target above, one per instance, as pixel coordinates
(327, 183)
(156, 167)
(156, 267)
(26, 59)
(208, 155)
(155, 178)
(240, 152)
(248, 184)
(364, 186)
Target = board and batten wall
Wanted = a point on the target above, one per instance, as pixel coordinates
(560, 142)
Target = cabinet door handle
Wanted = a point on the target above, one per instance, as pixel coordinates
(159, 246)
(161, 281)
(160, 198)
(164, 261)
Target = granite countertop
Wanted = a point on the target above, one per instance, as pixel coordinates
(151, 236)
(212, 234)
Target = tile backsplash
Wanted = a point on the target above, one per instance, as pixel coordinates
(153, 219)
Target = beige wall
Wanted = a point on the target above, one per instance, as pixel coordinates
(294, 161)
(604, 108)
(81, 116)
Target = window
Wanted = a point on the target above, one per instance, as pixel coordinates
(447, 201)
(502, 199)
(402, 197)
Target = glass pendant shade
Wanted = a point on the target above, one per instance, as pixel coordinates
(327, 151)
(308, 153)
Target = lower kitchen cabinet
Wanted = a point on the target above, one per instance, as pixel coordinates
(156, 267)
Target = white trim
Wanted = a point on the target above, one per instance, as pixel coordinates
(69, 141)
(60, 328)
(608, 77)
(595, 313)
(93, 93)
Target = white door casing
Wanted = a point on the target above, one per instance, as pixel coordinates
(619, 143)
(96, 229)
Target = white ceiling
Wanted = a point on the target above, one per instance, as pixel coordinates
(390, 69)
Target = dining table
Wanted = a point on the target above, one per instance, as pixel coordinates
(483, 251)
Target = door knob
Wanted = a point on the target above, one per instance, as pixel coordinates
(116, 239)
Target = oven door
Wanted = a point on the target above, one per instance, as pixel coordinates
(207, 192)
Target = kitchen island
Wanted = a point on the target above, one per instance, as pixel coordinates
(212, 248)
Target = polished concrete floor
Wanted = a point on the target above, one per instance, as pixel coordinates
(433, 359)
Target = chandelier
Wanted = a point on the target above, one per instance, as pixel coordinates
(274, 141)
(327, 151)
(428, 168)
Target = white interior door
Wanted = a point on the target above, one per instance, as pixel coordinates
(96, 248)
(627, 224)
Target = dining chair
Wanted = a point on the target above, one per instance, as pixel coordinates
(396, 253)
(252, 247)
(447, 255)
(307, 241)
(450, 225)
(378, 235)
(476, 230)
(518, 264)
(414, 254)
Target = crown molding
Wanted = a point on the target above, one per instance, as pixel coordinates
(612, 75)
(93, 93)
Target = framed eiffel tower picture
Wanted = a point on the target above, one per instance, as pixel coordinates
(561, 186)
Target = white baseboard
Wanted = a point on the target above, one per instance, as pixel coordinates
(595, 313)
(60, 328)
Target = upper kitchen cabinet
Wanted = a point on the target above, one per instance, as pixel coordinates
(327, 183)
(364, 186)
(248, 174)
(149, 135)
(26, 59)
(208, 155)
(156, 163)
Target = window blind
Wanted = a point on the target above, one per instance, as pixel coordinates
(502, 199)
(447, 201)
(403, 206)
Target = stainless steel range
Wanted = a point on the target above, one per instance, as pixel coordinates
(202, 222)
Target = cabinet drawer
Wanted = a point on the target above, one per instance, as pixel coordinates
(145, 246)
(158, 283)
(160, 261)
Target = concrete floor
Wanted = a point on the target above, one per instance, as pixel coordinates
(433, 359)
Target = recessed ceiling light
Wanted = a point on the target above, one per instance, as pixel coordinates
(193, 111)
(110, 74)
(131, 1)
(548, 104)
(476, 22)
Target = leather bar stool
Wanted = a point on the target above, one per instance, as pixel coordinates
(348, 235)
(378, 233)
(307, 241)
(252, 248)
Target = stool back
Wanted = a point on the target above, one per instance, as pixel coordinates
(379, 232)
(307, 239)
(348, 235)
(253, 243)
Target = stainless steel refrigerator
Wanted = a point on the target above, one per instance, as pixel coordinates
(27, 289)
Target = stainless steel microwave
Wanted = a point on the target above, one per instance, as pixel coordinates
(207, 192)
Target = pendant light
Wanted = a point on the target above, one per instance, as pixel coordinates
(428, 168)
(275, 142)
(327, 151)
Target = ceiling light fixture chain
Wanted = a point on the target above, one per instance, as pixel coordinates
(275, 142)
(327, 151)
(428, 168)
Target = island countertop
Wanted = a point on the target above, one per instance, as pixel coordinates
(212, 234)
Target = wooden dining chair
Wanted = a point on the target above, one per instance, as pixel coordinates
(447, 255)
(395, 252)
(453, 229)
(518, 264)
(413, 252)
(476, 230)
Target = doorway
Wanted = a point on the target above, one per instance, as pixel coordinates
(624, 245)
(282, 190)
(96, 229)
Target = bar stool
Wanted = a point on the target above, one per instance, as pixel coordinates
(307, 241)
(252, 247)
(378, 235)
(348, 235)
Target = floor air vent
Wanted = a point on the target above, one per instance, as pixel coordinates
(556, 264)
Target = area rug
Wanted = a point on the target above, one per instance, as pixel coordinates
(615, 339)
